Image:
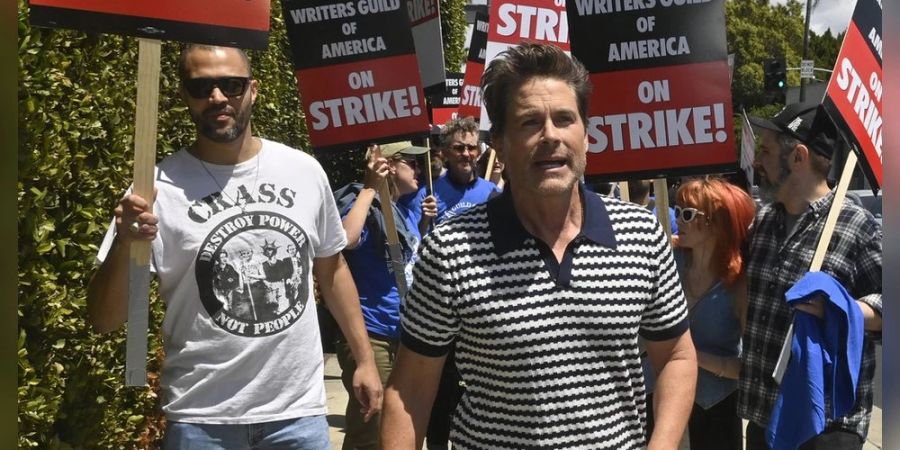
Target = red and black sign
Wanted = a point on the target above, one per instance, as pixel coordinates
(444, 105)
(661, 103)
(235, 23)
(470, 100)
(853, 98)
(356, 70)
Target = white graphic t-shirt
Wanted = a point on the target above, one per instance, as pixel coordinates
(235, 271)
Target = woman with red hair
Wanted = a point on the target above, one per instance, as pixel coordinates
(713, 220)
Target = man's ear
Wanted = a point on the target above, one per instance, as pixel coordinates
(801, 153)
(254, 87)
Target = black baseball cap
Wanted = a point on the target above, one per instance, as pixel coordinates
(805, 121)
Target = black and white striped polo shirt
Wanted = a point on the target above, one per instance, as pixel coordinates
(548, 351)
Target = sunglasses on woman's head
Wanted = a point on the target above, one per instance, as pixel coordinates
(201, 88)
(687, 214)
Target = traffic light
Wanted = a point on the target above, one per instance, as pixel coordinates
(775, 79)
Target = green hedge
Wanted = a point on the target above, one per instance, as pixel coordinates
(76, 126)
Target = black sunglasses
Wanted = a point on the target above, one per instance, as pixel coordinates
(202, 87)
(460, 147)
(687, 215)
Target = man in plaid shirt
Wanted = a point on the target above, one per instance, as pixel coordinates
(793, 163)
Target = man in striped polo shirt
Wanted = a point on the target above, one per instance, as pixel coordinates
(544, 290)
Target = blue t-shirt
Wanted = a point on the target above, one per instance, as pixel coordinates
(454, 199)
(372, 271)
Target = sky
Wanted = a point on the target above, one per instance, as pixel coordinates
(833, 14)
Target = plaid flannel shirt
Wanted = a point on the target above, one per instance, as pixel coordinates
(775, 263)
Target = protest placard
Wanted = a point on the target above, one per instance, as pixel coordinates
(661, 104)
(356, 70)
(425, 18)
(245, 25)
(470, 101)
(514, 22)
(242, 24)
(853, 97)
(444, 104)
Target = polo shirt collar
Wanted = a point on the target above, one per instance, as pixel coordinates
(508, 233)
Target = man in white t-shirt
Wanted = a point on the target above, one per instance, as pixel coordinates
(249, 375)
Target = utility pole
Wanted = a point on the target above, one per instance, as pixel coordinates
(805, 51)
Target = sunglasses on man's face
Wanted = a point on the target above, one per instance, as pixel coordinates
(201, 88)
(687, 215)
(459, 147)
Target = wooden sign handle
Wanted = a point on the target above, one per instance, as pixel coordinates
(839, 195)
(490, 164)
(624, 195)
(661, 193)
(428, 169)
(390, 227)
(145, 125)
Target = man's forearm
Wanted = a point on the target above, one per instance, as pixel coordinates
(107, 299)
(673, 399)
(408, 400)
(871, 319)
(673, 395)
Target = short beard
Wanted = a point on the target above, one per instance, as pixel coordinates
(768, 191)
(241, 121)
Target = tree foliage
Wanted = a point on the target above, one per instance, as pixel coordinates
(453, 29)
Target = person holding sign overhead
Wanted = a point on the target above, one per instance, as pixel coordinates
(368, 257)
(243, 359)
(793, 162)
(543, 290)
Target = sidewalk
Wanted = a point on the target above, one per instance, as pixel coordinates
(337, 400)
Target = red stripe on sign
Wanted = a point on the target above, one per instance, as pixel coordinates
(855, 89)
(529, 20)
(363, 101)
(250, 14)
(662, 118)
(470, 95)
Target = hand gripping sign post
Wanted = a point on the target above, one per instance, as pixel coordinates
(244, 24)
(390, 231)
(853, 101)
(357, 71)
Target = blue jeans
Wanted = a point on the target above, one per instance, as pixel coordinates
(304, 433)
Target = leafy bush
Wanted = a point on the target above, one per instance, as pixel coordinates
(76, 101)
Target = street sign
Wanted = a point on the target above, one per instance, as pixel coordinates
(806, 68)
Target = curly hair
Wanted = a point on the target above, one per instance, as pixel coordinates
(729, 212)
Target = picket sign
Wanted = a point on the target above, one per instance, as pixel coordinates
(139, 253)
(819, 256)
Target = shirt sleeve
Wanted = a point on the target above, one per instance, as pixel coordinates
(869, 268)
(332, 238)
(666, 314)
(428, 318)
